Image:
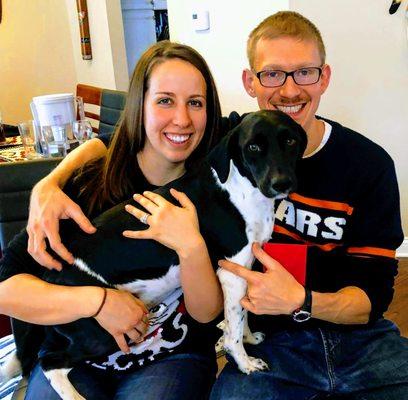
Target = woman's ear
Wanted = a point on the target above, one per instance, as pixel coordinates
(248, 82)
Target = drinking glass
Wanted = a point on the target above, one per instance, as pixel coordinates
(82, 130)
(55, 137)
(27, 133)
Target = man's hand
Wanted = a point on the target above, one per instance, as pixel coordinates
(273, 292)
(49, 204)
(123, 314)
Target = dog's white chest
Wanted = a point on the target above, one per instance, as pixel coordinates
(256, 209)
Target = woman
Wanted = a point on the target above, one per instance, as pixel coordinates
(168, 124)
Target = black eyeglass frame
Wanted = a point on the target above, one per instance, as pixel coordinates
(292, 74)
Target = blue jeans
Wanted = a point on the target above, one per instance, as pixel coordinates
(318, 364)
(180, 376)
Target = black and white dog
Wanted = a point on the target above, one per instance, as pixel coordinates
(233, 191)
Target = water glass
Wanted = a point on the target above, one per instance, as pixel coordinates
(55, 138)
(28, 138)
(82, 130)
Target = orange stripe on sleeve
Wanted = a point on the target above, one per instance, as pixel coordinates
(331, 205)
(283, 231)
(372, 251)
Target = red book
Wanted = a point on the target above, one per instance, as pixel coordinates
(291, 256)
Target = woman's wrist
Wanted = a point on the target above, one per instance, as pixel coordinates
(192, 247)
(88, 300)
(50, 180)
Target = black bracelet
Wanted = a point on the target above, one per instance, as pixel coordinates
(105, 294)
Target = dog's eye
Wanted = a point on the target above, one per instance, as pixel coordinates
(290, 141)
(254, 148)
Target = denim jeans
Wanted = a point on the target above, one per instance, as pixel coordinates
(323, 364)
(180, 376)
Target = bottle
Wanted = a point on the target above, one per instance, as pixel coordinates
(86, 48)
(2, 132)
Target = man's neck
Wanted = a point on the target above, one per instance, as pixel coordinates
(314, 136)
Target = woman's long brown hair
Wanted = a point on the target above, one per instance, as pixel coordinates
(111, 179)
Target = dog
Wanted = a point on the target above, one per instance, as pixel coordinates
(233, 190)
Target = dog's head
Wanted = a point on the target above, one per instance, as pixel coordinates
(265, 147)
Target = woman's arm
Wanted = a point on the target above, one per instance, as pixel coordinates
(178, 229)
(33, 300)
(49, 204)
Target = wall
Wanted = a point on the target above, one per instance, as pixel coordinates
(36, 54)
(41, 54)
(367, 49)
(224, 45)
(108, 65)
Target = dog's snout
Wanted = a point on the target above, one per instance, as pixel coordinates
(282, 184)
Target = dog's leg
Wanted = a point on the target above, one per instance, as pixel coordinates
(10, 368)
(249, 337)
(58, 379)
(234, 289)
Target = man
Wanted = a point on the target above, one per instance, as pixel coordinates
(346, 209)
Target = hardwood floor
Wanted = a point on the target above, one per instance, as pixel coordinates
(398, 310)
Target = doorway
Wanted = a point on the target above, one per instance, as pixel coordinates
(144, 22)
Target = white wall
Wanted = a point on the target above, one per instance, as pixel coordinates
(224, 44)
(107, 68)
(367, 49)
(36, 55)
(41, 54)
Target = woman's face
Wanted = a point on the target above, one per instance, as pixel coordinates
(175, 112)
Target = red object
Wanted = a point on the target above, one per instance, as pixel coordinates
(292, 256)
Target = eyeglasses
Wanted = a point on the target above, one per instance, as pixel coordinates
(301, 76)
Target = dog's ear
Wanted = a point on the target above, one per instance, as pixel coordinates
(303, 141)
(220, 157)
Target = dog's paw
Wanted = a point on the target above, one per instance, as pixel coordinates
(254, 338)
(253, 364)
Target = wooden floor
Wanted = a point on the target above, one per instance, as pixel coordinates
(398, 311)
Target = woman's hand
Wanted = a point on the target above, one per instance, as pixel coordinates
(173, 226)
(123, 314)
(49, 204)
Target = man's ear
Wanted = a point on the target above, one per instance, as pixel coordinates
(248, 81)
(325, 78)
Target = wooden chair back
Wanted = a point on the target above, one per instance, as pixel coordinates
(91, 96)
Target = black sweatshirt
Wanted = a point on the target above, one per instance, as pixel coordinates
(346, 209)
(172, 330)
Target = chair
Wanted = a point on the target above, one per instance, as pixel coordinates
(110, 102)
(16, 181)
(112, 105)
(91, 95)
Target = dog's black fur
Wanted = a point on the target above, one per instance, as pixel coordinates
(264, 148)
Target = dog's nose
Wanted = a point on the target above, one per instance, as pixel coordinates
(282, 184)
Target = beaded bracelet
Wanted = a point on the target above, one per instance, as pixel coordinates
(105, 294)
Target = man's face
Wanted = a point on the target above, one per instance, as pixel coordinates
(288, 54)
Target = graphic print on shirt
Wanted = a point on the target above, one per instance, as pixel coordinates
(166, 332)
(317, 222)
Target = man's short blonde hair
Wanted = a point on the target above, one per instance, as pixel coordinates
(281, 24)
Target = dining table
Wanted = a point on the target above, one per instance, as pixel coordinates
(11, 150)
